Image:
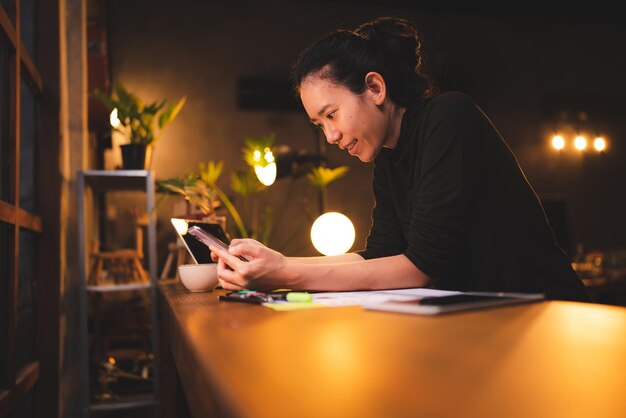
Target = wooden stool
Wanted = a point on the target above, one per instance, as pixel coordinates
(124, 265)
(178, 251)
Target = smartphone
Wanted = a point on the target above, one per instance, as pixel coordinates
(209, 239)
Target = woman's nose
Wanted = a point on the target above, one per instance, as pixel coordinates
(332, 135)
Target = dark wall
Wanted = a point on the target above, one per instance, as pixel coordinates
(527, 71)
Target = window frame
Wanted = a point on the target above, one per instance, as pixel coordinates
(38, 377)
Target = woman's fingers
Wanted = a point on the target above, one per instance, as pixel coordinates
(245, 241)
(230, 259)
(246, 247)
(232, 277)
(229, 286)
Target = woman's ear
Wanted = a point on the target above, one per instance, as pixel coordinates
(375, 87)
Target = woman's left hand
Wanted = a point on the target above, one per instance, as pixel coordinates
(266, 268)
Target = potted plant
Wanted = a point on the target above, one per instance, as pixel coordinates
(203, 197)
(251, 214)
(137, 121)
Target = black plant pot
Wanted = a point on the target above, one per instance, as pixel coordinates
(133, 156)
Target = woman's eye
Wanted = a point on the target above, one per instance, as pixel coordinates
(331, 116)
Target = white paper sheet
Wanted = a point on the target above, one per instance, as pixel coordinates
(376, 296)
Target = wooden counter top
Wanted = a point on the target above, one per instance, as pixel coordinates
(548, 359)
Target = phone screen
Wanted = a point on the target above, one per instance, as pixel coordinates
(209, 239)
(198, 249)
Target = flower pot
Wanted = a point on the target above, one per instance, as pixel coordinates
(133, 156)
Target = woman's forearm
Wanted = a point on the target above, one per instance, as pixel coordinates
(380, 273)
(333, 259)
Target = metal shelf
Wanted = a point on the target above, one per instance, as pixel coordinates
(101, 182)
(125, 402)
(116, 180)
(118, 287)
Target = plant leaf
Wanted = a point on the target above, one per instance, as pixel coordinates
(245, 182)
(104, 99)
(210, 172)
(171, 112)
(321, 177)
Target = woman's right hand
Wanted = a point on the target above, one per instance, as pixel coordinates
(266, 268)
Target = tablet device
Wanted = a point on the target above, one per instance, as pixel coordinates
(463, 301)
(199, 252)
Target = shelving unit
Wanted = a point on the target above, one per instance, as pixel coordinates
(100, 182)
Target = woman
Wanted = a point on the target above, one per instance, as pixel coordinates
(453, 208)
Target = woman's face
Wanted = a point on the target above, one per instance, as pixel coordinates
(355, 123)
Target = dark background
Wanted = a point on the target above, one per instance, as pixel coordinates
(533, 70)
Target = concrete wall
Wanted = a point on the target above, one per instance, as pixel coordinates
(514, 67)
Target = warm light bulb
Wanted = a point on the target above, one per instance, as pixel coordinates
(332, 233)
(599, 144)
(267, 174)
(580, 143)
(180, 225)
(558, 142)
(257, 155)
(113, 119)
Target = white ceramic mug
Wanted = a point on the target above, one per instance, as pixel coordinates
(199, 277)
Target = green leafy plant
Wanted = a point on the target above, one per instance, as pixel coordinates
(196, 192)
(200, 191)
(139, 120)
(249, 209)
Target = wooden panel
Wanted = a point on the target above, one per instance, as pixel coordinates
(7, 31)
(29, 221)
(14, 190)
(25, 381)
(7, 213)
(540, 360)
(33, 77)
(50, 192)
(24, 219)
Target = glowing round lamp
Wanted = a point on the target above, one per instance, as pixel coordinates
(580, 143)
(267, 174)
(599, 144)
(332, 233)
(558, 142)
(113, 119)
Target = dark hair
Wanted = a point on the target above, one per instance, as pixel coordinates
(389, 46)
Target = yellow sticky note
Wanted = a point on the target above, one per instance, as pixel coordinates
(293, 306)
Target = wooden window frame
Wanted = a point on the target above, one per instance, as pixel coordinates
(39, 377)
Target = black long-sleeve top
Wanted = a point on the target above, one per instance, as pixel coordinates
(452, 198)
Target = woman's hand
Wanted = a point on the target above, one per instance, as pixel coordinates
(266, 268)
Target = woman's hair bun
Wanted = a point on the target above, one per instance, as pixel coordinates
(394, 37)
(388, 45)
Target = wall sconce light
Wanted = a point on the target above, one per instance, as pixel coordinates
(558, 142)
(580, 142)
(599, 144)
